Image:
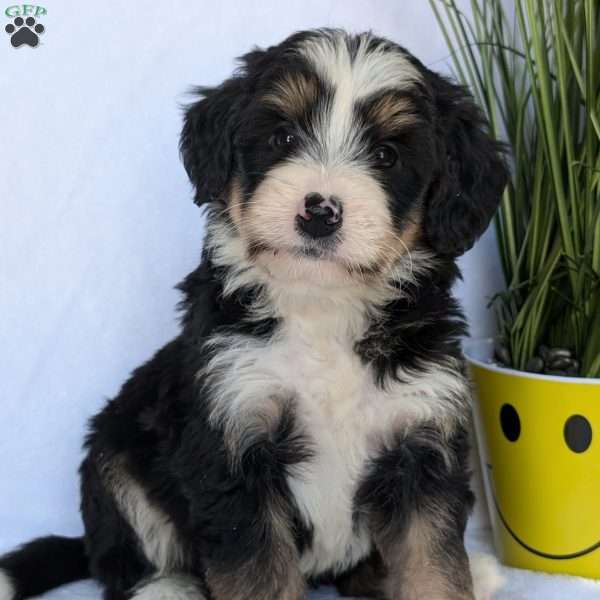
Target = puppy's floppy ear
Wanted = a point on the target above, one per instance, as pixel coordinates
(472, 175)
(207, 138)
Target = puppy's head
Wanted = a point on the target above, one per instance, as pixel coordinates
(341, 153)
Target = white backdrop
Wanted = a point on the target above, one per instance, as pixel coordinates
(96, 219)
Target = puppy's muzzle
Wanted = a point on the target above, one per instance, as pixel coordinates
(319, 217)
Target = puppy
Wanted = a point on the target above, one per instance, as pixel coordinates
(309, 423)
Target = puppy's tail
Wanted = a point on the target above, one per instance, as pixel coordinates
(41, 565)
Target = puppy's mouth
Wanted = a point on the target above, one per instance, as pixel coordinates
(311, 261)
(317, 253)
(319, 249)
(529, 548)
(324, 249)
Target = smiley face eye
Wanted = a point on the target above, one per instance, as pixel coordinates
(578, 433)
(510, 422)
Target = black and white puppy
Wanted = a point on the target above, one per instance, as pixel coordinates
(309, 422)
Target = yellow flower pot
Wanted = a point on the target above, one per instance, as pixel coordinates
(539, 441)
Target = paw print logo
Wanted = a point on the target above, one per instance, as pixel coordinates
(24, 32)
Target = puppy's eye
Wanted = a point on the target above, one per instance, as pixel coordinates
(283, 138)
(384, 156)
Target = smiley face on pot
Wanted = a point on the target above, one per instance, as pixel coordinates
(578, 435)
(542, 457)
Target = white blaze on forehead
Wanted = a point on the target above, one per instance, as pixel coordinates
(371, 68)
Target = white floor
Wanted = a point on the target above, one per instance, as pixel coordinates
(521, 585)
(526, 585)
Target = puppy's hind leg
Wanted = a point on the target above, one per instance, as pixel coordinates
(169, 587)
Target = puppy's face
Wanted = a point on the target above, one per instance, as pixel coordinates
(331, 155)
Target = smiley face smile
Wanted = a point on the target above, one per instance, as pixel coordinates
(533, 550)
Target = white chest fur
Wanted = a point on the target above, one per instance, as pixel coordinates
(335, 407)
(339, 408)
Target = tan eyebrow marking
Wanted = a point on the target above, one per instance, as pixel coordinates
(292, 94)
(391, 112)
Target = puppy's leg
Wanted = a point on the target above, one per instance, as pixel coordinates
(364, 580)
(268, 569)
(418, 499)
(243, 512)
(427, 562)
(114, 554)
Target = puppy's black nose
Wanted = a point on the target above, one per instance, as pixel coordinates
(320, 216)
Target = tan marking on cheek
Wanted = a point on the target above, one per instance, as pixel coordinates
(411, 233)
(234, 203)
(387, 249)
(269, 217)
(293, 94)
(392, 113)
(396, 245)
(242, 218)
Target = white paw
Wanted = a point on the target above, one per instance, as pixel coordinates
(487, 576)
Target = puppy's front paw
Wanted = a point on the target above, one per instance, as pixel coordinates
(488, 579)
